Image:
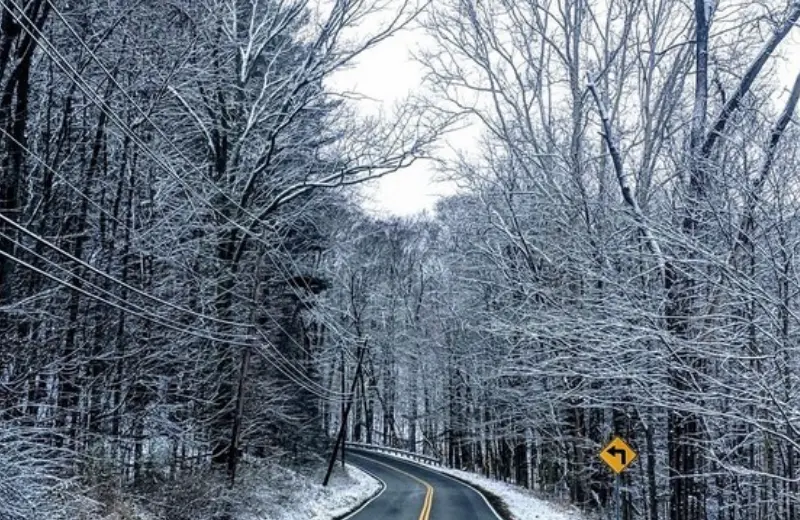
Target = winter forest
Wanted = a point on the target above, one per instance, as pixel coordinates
(189, 286)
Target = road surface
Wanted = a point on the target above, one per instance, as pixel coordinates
(413, 492)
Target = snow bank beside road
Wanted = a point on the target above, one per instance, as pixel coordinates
(263, 491)
(521, 502)
(301, 498)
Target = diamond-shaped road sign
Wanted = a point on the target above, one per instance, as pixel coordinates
(618, 455)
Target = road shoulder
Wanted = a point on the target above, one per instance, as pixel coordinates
(364, 501)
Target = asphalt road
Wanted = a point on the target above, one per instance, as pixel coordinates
(413, 492)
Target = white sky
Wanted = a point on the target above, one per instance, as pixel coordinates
(387, 74)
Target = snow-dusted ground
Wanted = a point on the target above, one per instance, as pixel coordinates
(520, 502)
(263, 492)
(301, 498)
(309, 500)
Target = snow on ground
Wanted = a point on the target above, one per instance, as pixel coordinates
(521, 503)
(263, 491)
(301, 498)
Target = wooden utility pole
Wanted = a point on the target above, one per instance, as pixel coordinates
(344, 437)
(340, 438)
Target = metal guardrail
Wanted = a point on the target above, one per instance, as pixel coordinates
(394, 451)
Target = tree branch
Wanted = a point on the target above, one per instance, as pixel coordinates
(625, 188)
(750, 76)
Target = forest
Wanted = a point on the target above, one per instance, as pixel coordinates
(189, 283)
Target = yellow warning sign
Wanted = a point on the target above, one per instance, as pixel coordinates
(618, 455)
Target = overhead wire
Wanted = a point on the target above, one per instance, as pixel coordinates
(210, 182)
(63, 178)
(64, 65)
(124, 226)
(117, 281)
(159, 131)
(137, 311)
(300, 378)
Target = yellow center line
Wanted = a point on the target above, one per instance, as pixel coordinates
(426, 505)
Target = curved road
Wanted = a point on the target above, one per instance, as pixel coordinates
(413, 492)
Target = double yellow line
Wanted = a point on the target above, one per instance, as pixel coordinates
(426, 505)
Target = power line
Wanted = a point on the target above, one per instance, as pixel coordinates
(64, 65)
(121, 283)
(140, 313)
(310, 385)
(160, 132)
(133, 289)
(68, 69)
(62, 177)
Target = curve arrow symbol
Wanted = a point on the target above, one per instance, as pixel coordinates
(614, 451)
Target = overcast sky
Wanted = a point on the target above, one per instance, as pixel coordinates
(388, 73)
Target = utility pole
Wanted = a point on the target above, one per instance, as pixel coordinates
(340, 438)
(344, 437)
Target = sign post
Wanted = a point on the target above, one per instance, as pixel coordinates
(618, 456)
